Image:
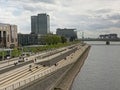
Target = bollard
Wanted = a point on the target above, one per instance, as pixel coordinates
(36, 67)
(24, 81)
(13, 86)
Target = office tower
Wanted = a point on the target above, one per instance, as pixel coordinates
(40, 24)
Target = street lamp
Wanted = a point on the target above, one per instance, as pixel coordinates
(82, 37)
(3, 54)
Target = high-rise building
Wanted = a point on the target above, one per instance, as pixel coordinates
(8, 35)
(40, 24)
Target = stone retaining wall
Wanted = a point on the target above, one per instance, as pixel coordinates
(48, 81)
(67, 80)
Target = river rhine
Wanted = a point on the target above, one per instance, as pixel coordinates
(101, 70)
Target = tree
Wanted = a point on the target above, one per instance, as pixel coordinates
(56, 39)
(15, 52)
(63, 39)
(3, 54)
(51, 39)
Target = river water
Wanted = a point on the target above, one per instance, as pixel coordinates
(101, 70)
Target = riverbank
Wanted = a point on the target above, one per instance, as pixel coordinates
(69, 77)
(61, 78)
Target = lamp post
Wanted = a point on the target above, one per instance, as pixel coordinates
(3, 54)
(82, 37)
(10, 53)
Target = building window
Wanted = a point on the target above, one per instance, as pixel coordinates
(4, 28)
(16, 39)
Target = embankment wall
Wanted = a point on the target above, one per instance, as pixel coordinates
(61, 79)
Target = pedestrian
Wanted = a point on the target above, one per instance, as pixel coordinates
(30, 66)
(35, 59)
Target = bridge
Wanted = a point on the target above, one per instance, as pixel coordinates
(100, 39)
(53, 70)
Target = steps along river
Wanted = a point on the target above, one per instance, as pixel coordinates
(101, 70)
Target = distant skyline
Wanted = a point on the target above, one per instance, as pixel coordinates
(93, 17)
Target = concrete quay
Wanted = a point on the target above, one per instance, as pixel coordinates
(66, 82)
(53, 77)
(62, 78)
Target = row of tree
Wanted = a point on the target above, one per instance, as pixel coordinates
(51, 39)
(10, 53)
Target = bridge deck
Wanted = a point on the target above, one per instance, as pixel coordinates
(100, 39)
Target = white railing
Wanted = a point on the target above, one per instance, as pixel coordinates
(20, 83)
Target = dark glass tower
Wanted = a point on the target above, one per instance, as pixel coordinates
(40, 24)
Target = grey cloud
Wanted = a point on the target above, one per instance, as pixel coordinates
(29, 8)
(34, 1)
(98, 23)
(99, 26)
(103, 24)
(37, 8)
(114, 16)
(100, 11)
(78, 18)
(103, 11)
(45, 1)
(93, 21)
(117, 24)
(89, 23)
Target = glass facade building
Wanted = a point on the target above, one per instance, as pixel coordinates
(69, 34)
(40, 24)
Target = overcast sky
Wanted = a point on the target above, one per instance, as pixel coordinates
(93, 17)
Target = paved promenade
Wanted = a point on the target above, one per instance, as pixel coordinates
(24, 75)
